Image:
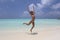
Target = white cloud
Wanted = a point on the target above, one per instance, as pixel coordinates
(41, 14)
(56, 6)
(25, 14)
(39, 6)
(46, 2)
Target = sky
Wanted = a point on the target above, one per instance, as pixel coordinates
(18, 8)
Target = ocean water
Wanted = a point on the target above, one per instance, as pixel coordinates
(18, 23)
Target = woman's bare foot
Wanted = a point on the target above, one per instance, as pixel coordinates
(31, 31)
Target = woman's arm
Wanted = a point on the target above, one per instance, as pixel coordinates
(33, 8)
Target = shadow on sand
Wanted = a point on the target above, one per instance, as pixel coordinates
(35, 33)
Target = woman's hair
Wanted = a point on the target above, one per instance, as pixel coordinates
(31, 12)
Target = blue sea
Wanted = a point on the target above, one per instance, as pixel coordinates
(18, 23)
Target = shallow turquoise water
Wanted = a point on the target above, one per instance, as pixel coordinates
(18, 23)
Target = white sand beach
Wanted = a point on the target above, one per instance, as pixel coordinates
(52, 33)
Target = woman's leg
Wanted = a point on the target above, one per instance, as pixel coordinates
(28, 23)
(33, 24)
